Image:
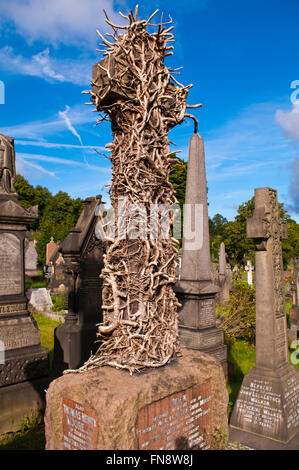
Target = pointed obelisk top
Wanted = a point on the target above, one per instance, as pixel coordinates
(196, 261)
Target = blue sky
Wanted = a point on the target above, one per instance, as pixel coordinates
(241, 57)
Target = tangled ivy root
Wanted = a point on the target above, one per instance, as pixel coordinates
(134, 89)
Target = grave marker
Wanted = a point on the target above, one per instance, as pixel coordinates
(23, 375)
(267, 405)
(139, 331)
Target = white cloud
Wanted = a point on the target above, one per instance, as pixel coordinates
(289, 121)
(41, 143)
(61, 161)
(34, 169)
(294, 186)
(59, 21)
(44, 66)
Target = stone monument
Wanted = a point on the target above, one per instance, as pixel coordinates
(82, 253)
(31, 268)
(57, 283)
(174, 399)
(39, 299)
(224, 276)
(23, 373)
(266, 414)
(50, 249)
(195, 290)
(249, 270)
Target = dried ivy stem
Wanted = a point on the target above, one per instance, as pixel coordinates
(143, 102)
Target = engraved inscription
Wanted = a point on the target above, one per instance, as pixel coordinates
(10, 265)
(178, 421)
(12, 308)
(262, 407)
(207, 313)
(80, 429)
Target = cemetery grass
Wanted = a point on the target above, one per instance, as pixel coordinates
(31, 435)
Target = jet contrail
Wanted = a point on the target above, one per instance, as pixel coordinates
(64, 116)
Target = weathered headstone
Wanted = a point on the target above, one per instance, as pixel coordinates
(224, 276)
(82, 254)
(173, 399)
(266, 414)
(23, 375)
(195, 290)
(57, 283)
(39, 299)
(50, 249)
(249, 270)
(31, 268)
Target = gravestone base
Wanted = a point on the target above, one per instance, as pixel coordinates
(167, 407)
(20, 400)
(208, 341)
(294, 315)
(267, 406)
(257, 442)
(73, 344)
(24, 364)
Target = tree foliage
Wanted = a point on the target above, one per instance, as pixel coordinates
(238, 316)
(233, 233)
(56, 214)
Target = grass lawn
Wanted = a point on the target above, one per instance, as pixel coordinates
(32, 433)
(47, 327)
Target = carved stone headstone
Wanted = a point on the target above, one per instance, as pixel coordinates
(266, 414)
(249, 270)
(39, 299)
(82, 253)
(23, 374)
(224, 276)
(58, 281)
(50, 249)
(31, 268)
(195, 290)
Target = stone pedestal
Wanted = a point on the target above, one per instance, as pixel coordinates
(197, 320)
(24, 359)
(294, 315)
(169, 407)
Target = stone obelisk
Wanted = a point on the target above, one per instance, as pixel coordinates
(195, 289)
(266, 414)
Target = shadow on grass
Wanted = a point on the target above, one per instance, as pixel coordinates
(32, 439)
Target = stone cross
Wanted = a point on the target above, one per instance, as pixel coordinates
(267, 405)
(248, 268)
(222, 260)
(267, 230)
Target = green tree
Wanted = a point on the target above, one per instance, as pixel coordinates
(30, 196)
(217, 230)
(178, 178)
(61, 213)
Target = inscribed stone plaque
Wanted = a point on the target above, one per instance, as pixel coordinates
(10, 265)
(80, 430)
(207, 317)
(177, 421)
